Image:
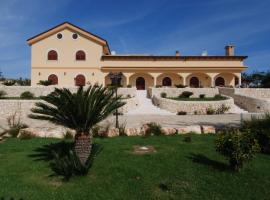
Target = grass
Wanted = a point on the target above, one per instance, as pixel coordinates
(178, 170)
(199, 99)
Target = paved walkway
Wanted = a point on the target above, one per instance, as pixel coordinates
(145, 106)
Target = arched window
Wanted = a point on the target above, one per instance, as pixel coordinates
(140, 83)
(52, 55)
(80, 55)
(219, 81)
(194, 82)
(167, 81)
(53, 78)
(80, 80)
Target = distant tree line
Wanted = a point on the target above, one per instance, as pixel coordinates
(10, 82)
(256, 79)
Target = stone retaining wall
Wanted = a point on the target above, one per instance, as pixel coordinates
(251, 99)
(190, 106)
(174, 92)
(15, 91)
(9, 107)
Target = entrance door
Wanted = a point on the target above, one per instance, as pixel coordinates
(140, 83)
(194, 82)
(220, 82)
(167, 82)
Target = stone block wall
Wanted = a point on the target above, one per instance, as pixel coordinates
(174, 92)
(15, 91)
(251, 99)
(190, 106)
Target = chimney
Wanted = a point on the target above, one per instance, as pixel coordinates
(229, 50)
(177, 53)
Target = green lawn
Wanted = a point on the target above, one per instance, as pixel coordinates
(178, 170)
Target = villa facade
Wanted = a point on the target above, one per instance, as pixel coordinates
(68, 55)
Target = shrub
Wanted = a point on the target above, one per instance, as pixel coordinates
(2, 94)
(9, 82)
(14, 125)
(222, 109)
(68, 135)
(238, 147)
(259, 127)
(27, 95)
(122, 130)
(210, 111)
(153, 129)
(69, 164)
(187, 138)
(129, 86)
(202, 96)
(186, 94)
(181, 113)
(218, 96)
(45, 82)
(158, 86)
(163, 95)
(180, 86)
(128, 96)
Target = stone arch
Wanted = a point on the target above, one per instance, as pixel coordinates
(148, 80)
(109, 82)
(220, 81)
(198, 80)
(175, 79)
(229, 79)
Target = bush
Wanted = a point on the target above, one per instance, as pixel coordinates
(27, 95)
(128, 96)
(129, 86)
(181, 113)
(222, 109)
(238, 147)
(69, 165)
(210, 111)
(163, 95)
(186, 94)
(187, 138)
(153, 129)
(158, 86)
(218, 96)
(180, 86)
(45, 82)
(122, 130)
(259, 127)
(202, 96)
(68, 135)
(2, 94)
(9, 82)
(26, 135)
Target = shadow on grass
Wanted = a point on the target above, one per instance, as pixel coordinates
(202, 159)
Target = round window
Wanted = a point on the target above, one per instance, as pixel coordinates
(75, 36)
(59, 35)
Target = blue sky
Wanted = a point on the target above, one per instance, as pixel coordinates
(141, 26)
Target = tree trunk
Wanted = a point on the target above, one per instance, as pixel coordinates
(82, 147)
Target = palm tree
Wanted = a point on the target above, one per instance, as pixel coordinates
(79, 111)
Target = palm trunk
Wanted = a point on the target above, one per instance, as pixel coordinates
(82, 147)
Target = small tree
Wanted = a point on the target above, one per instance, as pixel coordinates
(79, 111)
(238, 147)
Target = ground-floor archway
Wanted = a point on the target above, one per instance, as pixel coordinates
(140, 83)
(220, 82)
(123, 82)
(167, 82)
(196, 80)
(169, 79)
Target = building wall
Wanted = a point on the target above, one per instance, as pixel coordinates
(66, 67)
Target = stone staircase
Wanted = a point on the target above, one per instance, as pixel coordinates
(237, 110)
(146, 107)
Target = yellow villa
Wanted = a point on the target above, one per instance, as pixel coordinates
(68, 55)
